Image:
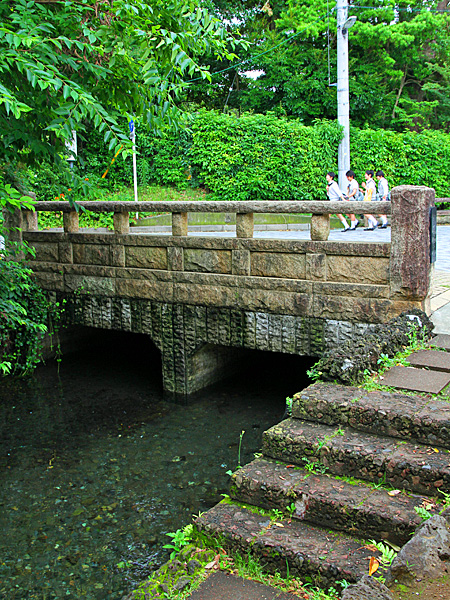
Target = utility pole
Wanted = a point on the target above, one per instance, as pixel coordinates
(343, 25)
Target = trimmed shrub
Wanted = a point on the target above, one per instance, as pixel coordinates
(262, 157)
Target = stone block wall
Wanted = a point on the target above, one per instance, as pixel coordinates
(193, 294)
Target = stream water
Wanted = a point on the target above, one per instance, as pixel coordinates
(96, 467)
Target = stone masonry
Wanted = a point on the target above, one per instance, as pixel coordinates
(200, 298)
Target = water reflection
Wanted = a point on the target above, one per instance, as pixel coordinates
(97, 467)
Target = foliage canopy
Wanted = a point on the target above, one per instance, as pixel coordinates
(69, 65)
(399, 63)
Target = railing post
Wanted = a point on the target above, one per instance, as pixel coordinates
(320, 227)
(121, 222)
(244, 225)
(179, 224)
(30, 220)
(410, 265)
(71, 222)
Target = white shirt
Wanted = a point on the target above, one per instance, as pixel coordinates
(383, 188)
(334, 192)
(353, 185)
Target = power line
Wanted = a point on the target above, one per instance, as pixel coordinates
(406, 9)
(267, 51)
(322, 17)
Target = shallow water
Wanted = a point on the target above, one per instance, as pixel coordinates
(97, 467)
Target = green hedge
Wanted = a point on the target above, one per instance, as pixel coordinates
(262, 157)
(408, 158)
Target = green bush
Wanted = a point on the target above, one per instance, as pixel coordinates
(258, 157)
(406, 158)
(262, 157)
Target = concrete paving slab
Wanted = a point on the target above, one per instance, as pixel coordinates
(435, 360)
(224, 586)
(416, 380)
(442, 341)
(441, 319)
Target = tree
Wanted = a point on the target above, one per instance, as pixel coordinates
(399, 62)
(70, 65)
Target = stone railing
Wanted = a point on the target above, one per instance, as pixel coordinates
(320, 212)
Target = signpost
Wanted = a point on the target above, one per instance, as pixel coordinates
(72, 149)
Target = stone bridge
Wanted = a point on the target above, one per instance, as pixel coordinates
(206, 300)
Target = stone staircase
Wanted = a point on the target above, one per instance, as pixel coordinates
(348, 466)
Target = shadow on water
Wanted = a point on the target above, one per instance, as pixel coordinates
(97, 466)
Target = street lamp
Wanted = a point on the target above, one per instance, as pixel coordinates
(344, 22)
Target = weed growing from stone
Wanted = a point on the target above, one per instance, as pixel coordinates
(387, 554)
(249, 567)
(313, 373)
(289, 402)
(314, 466)
(239, 466)
(291, 509)
(423, 513)
(416, 342)
(180, 538)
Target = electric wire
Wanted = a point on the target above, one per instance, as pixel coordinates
(266, 51)
(322, 17)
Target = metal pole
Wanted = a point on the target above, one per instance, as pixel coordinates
(133, 139)
(342, 91)
(72, 149)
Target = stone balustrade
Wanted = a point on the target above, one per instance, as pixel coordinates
(320, 212)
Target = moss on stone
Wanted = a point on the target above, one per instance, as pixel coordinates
(178, 574)
(350, 362)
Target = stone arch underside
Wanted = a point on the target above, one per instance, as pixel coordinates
(198, 343)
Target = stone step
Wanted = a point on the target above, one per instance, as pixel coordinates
(322, 500)
(386, 413)
(442, 340)
(311, 553)
(346, 452)
(415, 380)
